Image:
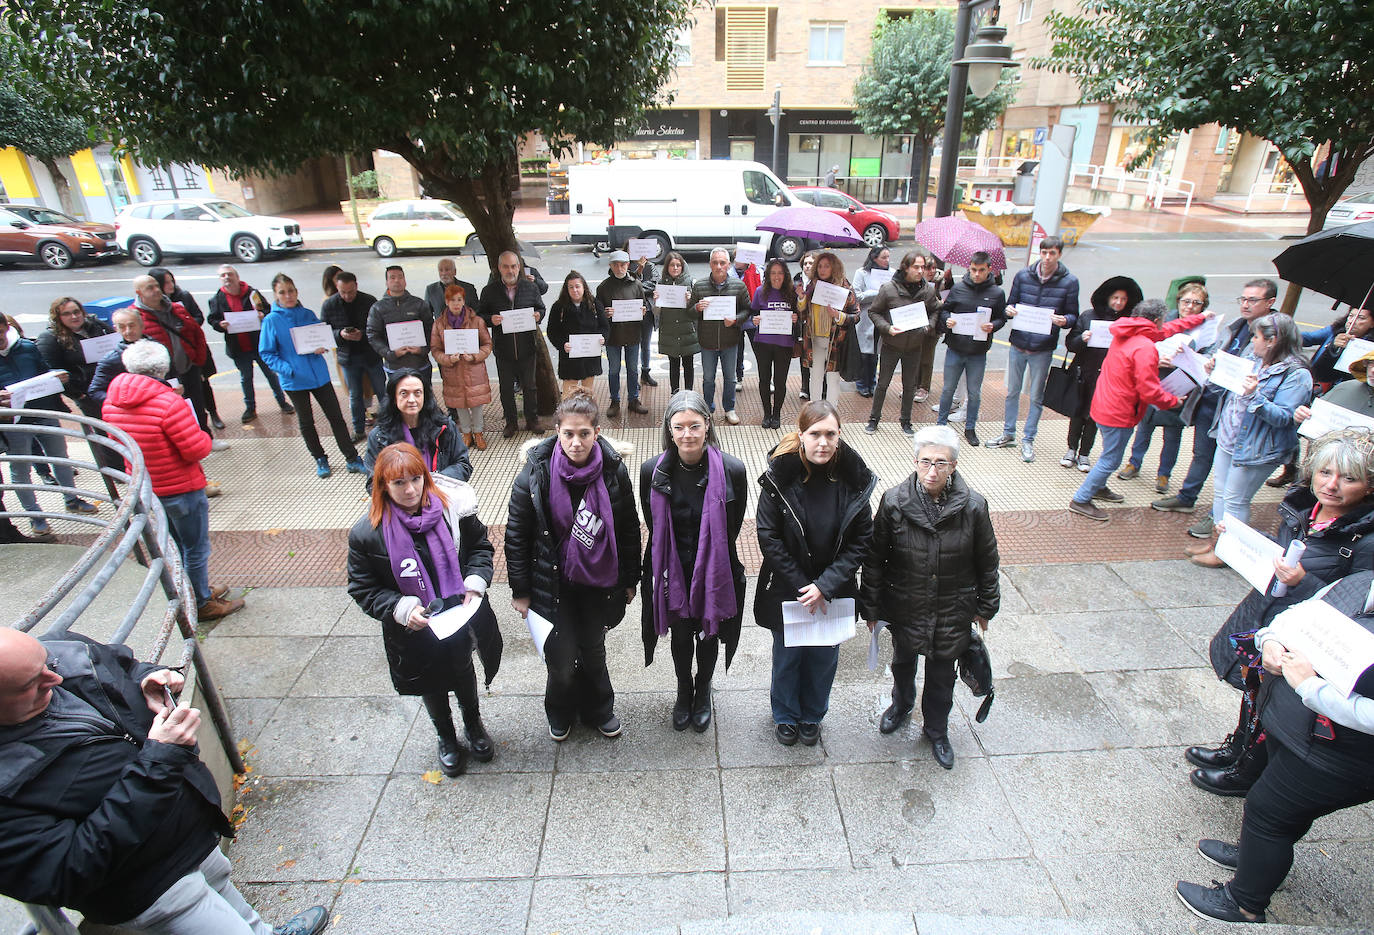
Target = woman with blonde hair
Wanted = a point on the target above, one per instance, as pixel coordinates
(825, 329)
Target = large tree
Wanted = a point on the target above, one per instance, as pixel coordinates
(450, 85)
(33, 122)
(905, 85)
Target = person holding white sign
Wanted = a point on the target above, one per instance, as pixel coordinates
(905, 296)
(577, 311)
(304, 376)
(420, 549)
(624, 336)
(67, 344)
(828, 321)
(931, 573)
(235, 297)
(516, 353)
(467, 387)
(1355, 395)
(778, 327)
(719, 337)
(398, 305)
(1255, 429)
(814, 527)
(870, 277)
(966, 355)
(677, 323)
(1334, 339)
(1114, 299)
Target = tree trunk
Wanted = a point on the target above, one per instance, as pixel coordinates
(485, 199)
(1321, 195)
(64, 190)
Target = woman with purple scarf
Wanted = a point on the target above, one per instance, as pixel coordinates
(418, 551)
(693, 498)
(572, 556)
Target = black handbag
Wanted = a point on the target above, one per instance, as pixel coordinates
(851, 364)
(1063, 388)
(975, 670)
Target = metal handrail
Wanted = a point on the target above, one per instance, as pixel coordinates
(139, 525)
(1099, 177)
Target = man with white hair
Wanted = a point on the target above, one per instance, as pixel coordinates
(719, 338)
(141, 403)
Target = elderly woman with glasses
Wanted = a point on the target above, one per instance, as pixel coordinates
(931, 573)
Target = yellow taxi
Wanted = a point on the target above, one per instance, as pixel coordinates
(422, 224)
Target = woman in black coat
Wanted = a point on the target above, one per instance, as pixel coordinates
(572, 556)
(412, 414)
(692, 497)
(175, 293)
(814, 526)
(60, 345)
(576, 312)
(419, 550)
(1114, 299)
(931, 522)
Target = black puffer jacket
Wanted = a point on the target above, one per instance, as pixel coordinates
(1100, 315)
(788, 564)
(450, 453)
(653, 476)
(632, 285)
(96, 817)
(533, 555)
(567, 319)
(71, 359)
(929, 581)
(968, 296)
(1341, 549)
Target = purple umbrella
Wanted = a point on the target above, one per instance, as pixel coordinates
(811, 224)
(955, 240)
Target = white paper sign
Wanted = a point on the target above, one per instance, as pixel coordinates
(751, 253)
(1250, 553)
(1100, 334)
(719, 308)
(642, 247)
(909, 317)
(584, 345)
(45, 384)
(1205, 334)
(830, 295)
(1354, 350)
(461, 341)
(517, 320)
(1191, 363)
(627, 310)
(971, 324)
(539, 631)
(672, 296)
(873, 644)
(775, 321)
(828, 627)
(241, 322)
(448, 622)
(1034, 319)
(1171, 344)
(406, 334)
(1178, 383)
(878, 277)
(309, 339)
(1338, 647)
(1328, 417)
(1230, 371)
(93, 350)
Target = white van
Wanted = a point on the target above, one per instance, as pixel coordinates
(678, 202)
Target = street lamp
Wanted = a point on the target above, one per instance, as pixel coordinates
(977, 67)
(775, 114)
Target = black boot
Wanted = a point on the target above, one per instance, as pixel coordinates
(453, 756)
(1219, 757)
(903, 697)
(682, 708)
(478, 738)
(1234, 780)
(701, 705)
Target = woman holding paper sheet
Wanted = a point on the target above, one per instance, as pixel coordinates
(1334, 339)
(60, 345)
(572, 555)
(692, 497)
(304, 375)
(467, 387)
(774, 351)
(814, 526)
(900, 344)
(825, 328)
(866, 286)
(930, 573)
(420, 549)
(1114, 299)
(1255, 429)
(576, 312)
(677, 327)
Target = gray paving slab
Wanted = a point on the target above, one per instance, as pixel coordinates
(518, 730)
(781, 818)
(1178, 706)
(250, 715)
(744, 728)
(353, 622)
(1023, 644)
(1181, 583)
(259, 666)
(277, 902)
(335, 736)
(850, 732)
(302, 829)
(651, 904)
(1107, 640)
(1328, 885)
(1012, 600)
(648, 741)
(480, 825)
(1195, 625)
(454, 907)
(1069, 588)
(1134, 884)
(287, 612)
(642, 822)
(346, 667)
(808, 922)
(1043, 713)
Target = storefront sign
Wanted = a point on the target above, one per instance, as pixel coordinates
(811, 121)
(667, 125)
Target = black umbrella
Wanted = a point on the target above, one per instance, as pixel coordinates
(1338, 262)
(474, 248)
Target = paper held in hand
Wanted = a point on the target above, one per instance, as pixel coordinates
(93, 350)
(624, 311)
(971, 324)
(1205, 334)
(828, 627)
(672, 296)
(775, 321)
(311, 339)
(751, 253)
(1100, 334)
(406, 334)
(461, 341)
(45, 384)
(910, 317)
(830, 295)
(642, 248)
(539, 631)
(1354, 350)
(1250, 553)
(517, 320)
(1339, 649)
(448, 622)
(584, 345)
(719, 308)
(1328, 417)
(879, 277)
(1230, 371)
(241, 322)
(1033, 318)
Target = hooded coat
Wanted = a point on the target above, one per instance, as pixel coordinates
(296, 371)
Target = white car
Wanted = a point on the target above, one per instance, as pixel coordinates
(201, 226)
(1350, 210)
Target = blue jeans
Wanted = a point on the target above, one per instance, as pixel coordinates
(1204, 450)
(1026, 367)
(868, 372)
(355, 367)
(250, 395)
(802, 677)
(1168, 455)
(52, 446)
(1234, 485)
(970, 367)
(188, 514)
(1114, 442)
(646, 338)
(614, 354)
(727, 358)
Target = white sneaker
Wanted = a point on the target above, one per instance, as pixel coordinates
(1069, 460)
(218, 444)
(731, 417)
(959, 416)
(1083, 464)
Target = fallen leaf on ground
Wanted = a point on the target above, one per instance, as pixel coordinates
(433, 777)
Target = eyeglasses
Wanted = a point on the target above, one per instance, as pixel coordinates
(925, 464)
(1246, 300)
(1191, 302)
(694, 428)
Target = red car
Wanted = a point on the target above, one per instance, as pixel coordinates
(874, 226)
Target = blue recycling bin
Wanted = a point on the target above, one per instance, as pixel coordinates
(104, 308)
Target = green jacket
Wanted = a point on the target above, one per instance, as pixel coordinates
(714, 335)
(677, 327)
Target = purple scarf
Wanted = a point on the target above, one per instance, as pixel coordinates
(430, 455)
(710, 597)
(589, 551)
(399, 530)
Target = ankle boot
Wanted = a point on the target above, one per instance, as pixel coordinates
(682, 708)
(479, 441)
(478, 738)
(453, 756)
(701, 705)
(1221, 756)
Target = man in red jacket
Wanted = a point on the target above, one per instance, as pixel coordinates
(1129, 384)
(158, 419)
(169, 324)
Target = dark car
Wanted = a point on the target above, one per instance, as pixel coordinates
(55, 239)
(874, 226)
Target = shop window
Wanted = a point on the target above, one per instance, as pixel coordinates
(113, 178)
(1026, 12)
(827, 43)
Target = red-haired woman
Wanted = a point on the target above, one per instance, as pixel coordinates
(420, 549)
